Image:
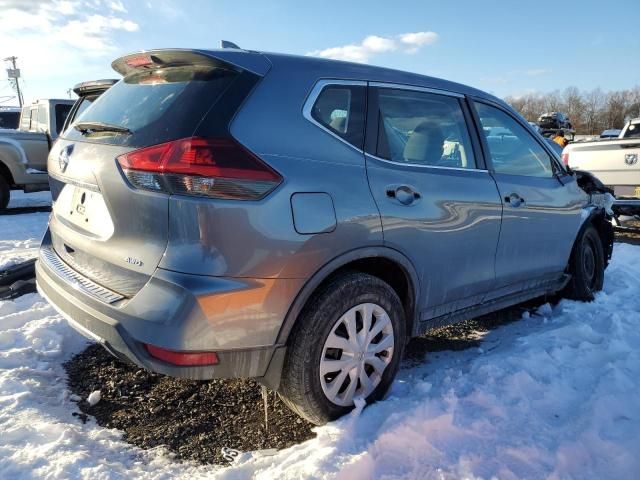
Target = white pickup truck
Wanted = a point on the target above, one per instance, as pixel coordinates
(615, 162)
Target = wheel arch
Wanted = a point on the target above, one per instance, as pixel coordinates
(6, 173)
(597, 218)
(385, 263)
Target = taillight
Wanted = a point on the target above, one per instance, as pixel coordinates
(215, 168)
(565, 158)
(183, 359)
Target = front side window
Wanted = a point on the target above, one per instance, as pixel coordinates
(340, 109)
(422, 129)
(513, 149)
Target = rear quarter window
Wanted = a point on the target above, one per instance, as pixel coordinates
(340, 109)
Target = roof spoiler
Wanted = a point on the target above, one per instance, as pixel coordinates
(92, 86)
(230, 58)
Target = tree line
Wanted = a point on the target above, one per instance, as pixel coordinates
(590, 112)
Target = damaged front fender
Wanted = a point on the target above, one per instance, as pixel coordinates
(598, 210)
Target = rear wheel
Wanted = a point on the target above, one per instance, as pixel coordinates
(586, 267)
(5, 193)
(347, 344)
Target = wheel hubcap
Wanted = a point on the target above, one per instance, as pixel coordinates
(355, 354)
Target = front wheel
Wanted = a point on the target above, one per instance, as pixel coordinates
(347, 344)
(586, 266)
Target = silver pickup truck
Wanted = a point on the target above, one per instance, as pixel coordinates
(615, 162)
(23, 152)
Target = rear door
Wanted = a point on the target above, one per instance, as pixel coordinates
(542, 208)
(439, 205)
(101, 225)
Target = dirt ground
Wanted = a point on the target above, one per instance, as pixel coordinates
(629, 237)
(196, 419)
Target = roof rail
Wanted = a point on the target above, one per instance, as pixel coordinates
(228, 44)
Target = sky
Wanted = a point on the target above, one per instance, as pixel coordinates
(503, 47)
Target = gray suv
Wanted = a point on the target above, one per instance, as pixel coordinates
(226, 213)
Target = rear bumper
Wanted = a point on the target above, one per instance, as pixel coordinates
(234, 318)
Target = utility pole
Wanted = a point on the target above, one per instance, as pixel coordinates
(14, 74)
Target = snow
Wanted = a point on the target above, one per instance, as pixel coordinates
(21, 199)
(94, 398)
(20, 237)
(554, 395)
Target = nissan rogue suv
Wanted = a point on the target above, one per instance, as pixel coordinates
(226, 213)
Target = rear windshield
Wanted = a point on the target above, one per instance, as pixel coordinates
(9, 119)
(157, 106)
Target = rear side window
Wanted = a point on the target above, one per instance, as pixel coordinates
(157, 105)
(422, 129)
(340, 109)
(513, 149)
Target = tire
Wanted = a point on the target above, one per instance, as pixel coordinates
(344, 300)
(5, 193)
(586, 267)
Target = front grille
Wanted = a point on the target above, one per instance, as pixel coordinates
(77, 281)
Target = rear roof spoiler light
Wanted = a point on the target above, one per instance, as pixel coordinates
(233, 59)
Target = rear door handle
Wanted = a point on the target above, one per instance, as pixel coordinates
(403, 194)
(514, 200)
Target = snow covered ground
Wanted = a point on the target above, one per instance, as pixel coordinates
(555, 395)
(20, 237)
(21, 199)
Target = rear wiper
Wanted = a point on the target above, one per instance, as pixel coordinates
(86, 127)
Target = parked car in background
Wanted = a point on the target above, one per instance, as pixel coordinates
(611, 133)
(40, 125)
(614, 162)
(23, 152)
(554, 120)
(227, 213)
(536, 127)
(9, 117)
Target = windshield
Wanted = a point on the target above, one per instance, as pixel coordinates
(157, 106)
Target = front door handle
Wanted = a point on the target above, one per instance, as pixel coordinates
(514, 200)
(403, 194)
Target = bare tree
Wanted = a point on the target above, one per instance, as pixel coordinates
(590, 112)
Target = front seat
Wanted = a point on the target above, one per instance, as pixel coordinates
(425, 144)
(339, 124)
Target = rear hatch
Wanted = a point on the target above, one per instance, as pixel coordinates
(102, 225)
